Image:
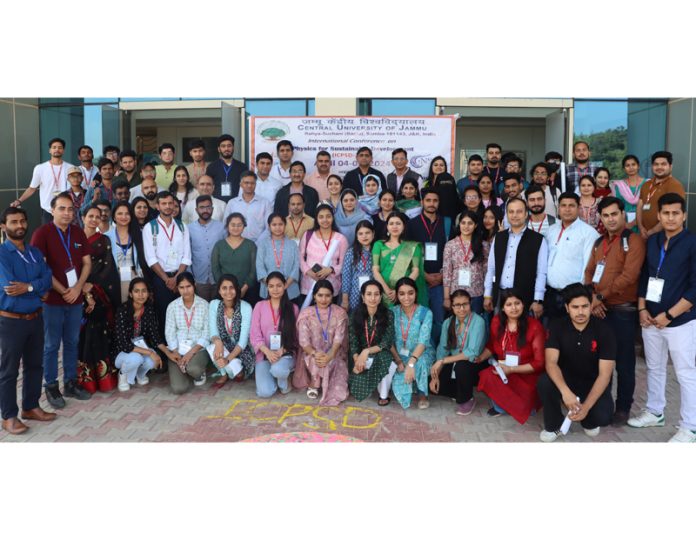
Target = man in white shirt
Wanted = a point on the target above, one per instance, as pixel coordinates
(266, 185)
(281, 170)
(539, 221)
(89, 170)
(570, 247)
(50, 178)
(206, 185)
(254, 208)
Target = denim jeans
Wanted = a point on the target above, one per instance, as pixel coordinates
(624, 325)
(271, 376)
(133, 364)
(61, 323)
(436, 297)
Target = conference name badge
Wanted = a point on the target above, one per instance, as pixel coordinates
(655, 286)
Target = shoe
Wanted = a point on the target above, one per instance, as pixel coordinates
(684, 435)
(548, 436)
(38, 414)
(142, 381)
(592, 432)
(465, 409)
(200, 381)
(647, 419)
(493, 412)
(312, 393)
(14, 426)
(54, 397)
(220, 382)
(73, 390)
(423, 403)
(123, 385)
(287, 389)
(620, 418)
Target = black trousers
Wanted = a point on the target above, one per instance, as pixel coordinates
(163, 297)
(554, 307)
(46, 217)
(20, 341)
(466, 374)
(599, 415)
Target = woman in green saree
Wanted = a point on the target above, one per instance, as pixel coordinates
(395, 258)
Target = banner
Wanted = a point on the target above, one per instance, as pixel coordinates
(423, 138)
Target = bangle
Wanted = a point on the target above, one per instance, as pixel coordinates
(642, 309)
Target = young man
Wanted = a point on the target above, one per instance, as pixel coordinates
(473, 173)
(205, 187)
(298, 223)
(281, 169)
(266, 186)
(254, 208)
(50, 178)
(354, 178)
(666, 297)
(614, 271)
(148, 185)
(401, 171)
(297, 185)
(24, 280)
(512, 188)
(580, 357)
(540, 174)
(662, 182)
(198, 166)
(105, 211)
(539, 221)
(112, 153)
(580, 167)
(129, 172)
(121, 190)
(226, 171)
(77, 193)
(317, 179)
(493, 169)
(67, 253)
(553, 160)
(204, 233)
(165, 170)
(90, 172)
(513, 165)
(103, 190)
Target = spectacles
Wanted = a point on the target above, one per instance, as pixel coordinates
(205, 207)
(460, 306)
(471, 198)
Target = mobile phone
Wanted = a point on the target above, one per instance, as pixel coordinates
(316, 268)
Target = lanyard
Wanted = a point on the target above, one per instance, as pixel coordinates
(66, 245)
(429, 231)
(56, 179)
(541, 225)
(365, 258)
(227, 171)
(582, 172)
(278, 260)
(506, 339)
(663, 252)
(88, 178)
(497, 173)
(30, 255)
(326, 244)
(189, 320)
(202, 170)
(170, 237)
(468, 250)
(137, 320)
(606, 247)
(296, 230)
(560, 233)
(371, 338)
(276, 320)
(128, 245)
(404, 335)
(324, 333)
(466, 331)
(655, 186)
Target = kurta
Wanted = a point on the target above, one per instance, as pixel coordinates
(269, 253)
(352, 273)
(262, 326)
(363, 384)
(240, 262)
(453, 261)
(313, 252)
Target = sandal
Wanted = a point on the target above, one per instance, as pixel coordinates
(423, 403)
(220, 382)
(312, 393)
(383, 402)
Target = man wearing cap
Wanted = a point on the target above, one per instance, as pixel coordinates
(77, 192)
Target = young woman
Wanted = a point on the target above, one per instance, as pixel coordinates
(461, 342)
(274, 338)
(141, 210)
(182, 188)
(408, 201)
(335, 185)
(446, 187)
(349, 214)
(236, 255)
(186, 331)
(413, 351)
(357, 265)
(371, 337)
(588, 202)
(488, 197)
(322, 332)
(126, 246)
(372, 189)
(465, 261)
(137, 337)
(386, 207)
(176, 214)
(471, 200)
(278, 253)
(602, 180)
(322, 251)
(396, 258)
(628, 190)
(229, 320)
(517, 342)
(492, 223)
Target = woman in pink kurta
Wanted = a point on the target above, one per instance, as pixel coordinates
(322, 331)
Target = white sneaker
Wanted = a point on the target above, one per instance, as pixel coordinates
(123, 385)
(142, 381)
(200, 381)
(592, 432)
(647, 419)
(684, 435)
(549, 436)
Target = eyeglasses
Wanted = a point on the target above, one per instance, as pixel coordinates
(205, 207)
(471, 198)
(460, 306)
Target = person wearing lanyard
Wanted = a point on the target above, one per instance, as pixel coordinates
(186, 332)
(297, 185)
(580, 167)
(204, 233)
(666, 297)
(539, 221)
(322, 332)
(226, 171)
(357, 265)
(493, 169)
(455, 372)
(274, 338)
(77, 193)
(126, 247)
(662, 182)
(278, 253)
(25, 279)
(413, 351)
(102, 190)
(67, 253)
(85, 154)
(298, 223)
(281, 170)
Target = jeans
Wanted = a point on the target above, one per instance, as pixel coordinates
(269, 377)
(477, 304)
(133, 364)
(61, 323)
(436, 297)
(623, 324)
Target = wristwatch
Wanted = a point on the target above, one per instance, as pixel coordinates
(668, 315)
(30, 288)
(600, 297)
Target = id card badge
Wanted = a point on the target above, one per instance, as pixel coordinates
(140, 342)
(512, 358)
(185, 346)
(361, 280)
(171, 258)
(630, 216)
(431, 251)
(655, 286)
(464, 279)
(125, 272)
(646, 207)
(71, 275)
(275, 342)
(404, 352)
(297, 241)
(368, 363)
(226, 189)
(598, 273)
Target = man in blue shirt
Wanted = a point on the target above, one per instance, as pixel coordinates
(25, 278)
(204, 233)
(666, 296)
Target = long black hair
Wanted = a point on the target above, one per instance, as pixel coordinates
(320, 207)
(173, 187)
(452, 330)
(476, 237)
(321, 284)
(503, 319)
(237, 289)
(287, 325)
(360, 315)
(404, 281)
(134, 231)
(498, 217)
(412, 182)
(357, 246)
(493, 194)
(128, 305)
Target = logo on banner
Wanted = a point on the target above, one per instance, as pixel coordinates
(273, 130)
(419, 161)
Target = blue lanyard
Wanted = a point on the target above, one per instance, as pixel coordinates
(324, 333)
(128, 245)
(227, 171)
(30, 255)
(663, 252)
(66, 245)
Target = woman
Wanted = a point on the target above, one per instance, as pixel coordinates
(335, 185)
(408, 201)
(182, 188)
(396, 258)
(488, 197)
(349, 214)
(141, 211)
(588, 202)
(461, 341)
(357, 265)
(278, 253)
(465, 261)
(176, 213)
(322, 332)
(413, 351)
(372, 189)
(371, 337)
(628, 190)
(274, 338)
(137, 337)
(322, 251)
(229, 320)
(517, 342)
(446, 187)
(471, 199)
(602, 181)
(236, 255)
(492, 222)
(186, 331)
(386, 207)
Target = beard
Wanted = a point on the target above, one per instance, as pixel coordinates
(150, 196)
(536, 210)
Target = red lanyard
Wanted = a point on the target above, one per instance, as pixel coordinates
(404, 335)
(652, 191)
(276, 320)
(371, 338)
(365, 260)
(506, 339)
(468, 249)
(56, 179)
(278, 260)
(540, 227)
(88, 179)
(606, 247)
(466, 331)
(189, 321)
(326, 244)
(170, 237)
(136, 322)
(296, 230)
(560, 234)
(430, 231)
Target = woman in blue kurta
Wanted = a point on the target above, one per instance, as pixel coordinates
(276, 253)
(357, 265)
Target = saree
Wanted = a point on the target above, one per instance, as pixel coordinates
(397, 263)
(411, 207)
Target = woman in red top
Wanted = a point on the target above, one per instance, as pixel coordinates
(517, 342)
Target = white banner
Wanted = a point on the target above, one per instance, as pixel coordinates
(423, 138)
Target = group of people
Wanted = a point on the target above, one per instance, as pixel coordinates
(529, 292)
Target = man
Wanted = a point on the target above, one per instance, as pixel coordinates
(514, 165)
(517, 259)
(254, 208)
(204, 233)
(111, 153)
(401, 171)
(205, 187)
(318, 178)
(129, 172)
(570, 246)
(432, 231)
(355, 177)
(101, 190)
(198, 166)
(474, 169)
(297, 185)
(24, 280)
(50, 178)
(67, 253)
(553, 160)
(539, 221)
(298, 223)
(85, 155)
(493, 169)
(666, 297)
(281, 170)
(148, 185)
(105, 211)
(226, 171)
(580, 357)
(167, 252)
(579, 168)
(512, 187)
(614, 270)
(266, 186)
(77, 193)
(662, 182)
(165, 170)
(121, 190)
(541, 174)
